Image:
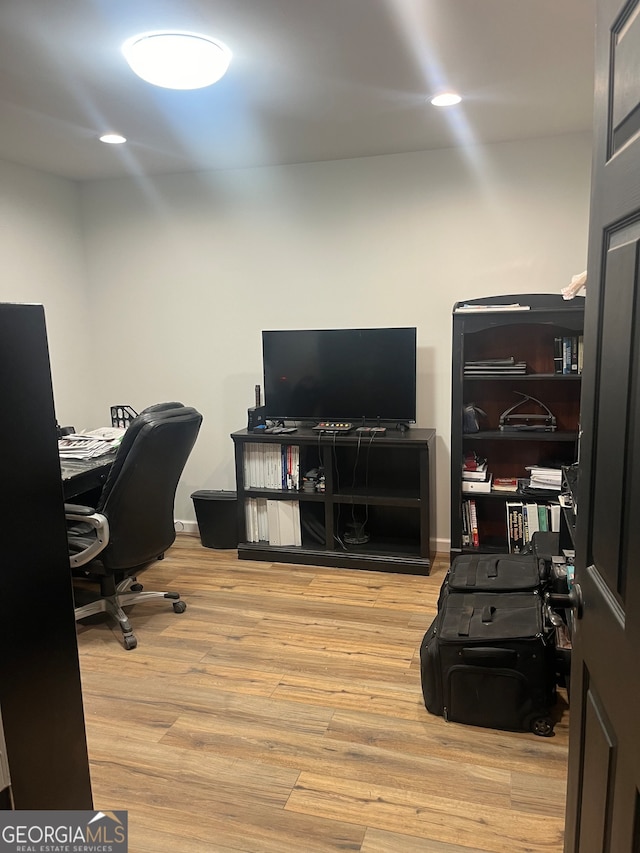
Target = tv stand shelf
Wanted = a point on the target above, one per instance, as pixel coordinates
(385, 484)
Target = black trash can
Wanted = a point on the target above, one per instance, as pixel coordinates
(217, 516)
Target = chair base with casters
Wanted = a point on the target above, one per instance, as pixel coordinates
(116, 596)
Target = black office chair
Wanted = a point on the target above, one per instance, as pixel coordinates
(133, 524)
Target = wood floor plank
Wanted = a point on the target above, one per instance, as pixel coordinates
(382, 841)
(282, 711)
(393, 697)
(539, 794)
(434, 817)
(259, 739)
(432, 736)
(208, 805)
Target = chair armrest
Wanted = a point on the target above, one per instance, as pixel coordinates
(78, 509)
(85, 548)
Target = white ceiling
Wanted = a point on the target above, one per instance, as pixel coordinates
(310, 80)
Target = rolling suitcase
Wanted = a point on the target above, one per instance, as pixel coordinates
(495, 573)
(488, 660)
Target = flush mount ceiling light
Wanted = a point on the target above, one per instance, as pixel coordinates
(177, 60)
(112, 138)
(446, 99)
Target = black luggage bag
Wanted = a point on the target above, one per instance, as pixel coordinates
(496, 573)
(488, 660)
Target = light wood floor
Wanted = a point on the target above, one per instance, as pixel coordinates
(283, 712)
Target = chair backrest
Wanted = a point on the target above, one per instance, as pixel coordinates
(161, 407)
(139, 493)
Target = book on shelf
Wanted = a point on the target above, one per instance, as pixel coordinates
(479, 473)
(505, 484)
(515, 526)
(275, 522)
(568, 354)
(518, 368)
(271, 466)
(473, 522)
(273, 519)
(473, 462)
(574, 354)
(557, 354)
(491, 362)
(531, 520)
(470, 309)
(580, 353)
(481, 486)
(289, 522)
(255, 511)
(466, 524)
(543, 518)
(544, 478)
(524, 518)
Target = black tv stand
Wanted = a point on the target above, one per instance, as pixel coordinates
(385, 483)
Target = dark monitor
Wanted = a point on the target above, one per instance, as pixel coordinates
(350, 375)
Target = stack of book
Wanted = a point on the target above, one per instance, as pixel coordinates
(275, 522)
(506, 484)
(272, 466)
(475, 475)
(526, 518)
(545, 478)
(495, 367)
(568, 354)
(470, 523)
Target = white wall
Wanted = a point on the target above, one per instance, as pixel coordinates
(185, 271)
(43, 262)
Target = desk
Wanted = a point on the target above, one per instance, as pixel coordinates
(83, 475)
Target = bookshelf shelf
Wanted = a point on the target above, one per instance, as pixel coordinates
(496, 435)
(531, 336)
(525, 377)
(385, 484)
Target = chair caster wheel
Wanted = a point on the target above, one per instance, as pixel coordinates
(542, 726)
(136, 587)
(129, 642)
(179, 606)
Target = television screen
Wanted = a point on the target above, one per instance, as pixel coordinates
(350, 375)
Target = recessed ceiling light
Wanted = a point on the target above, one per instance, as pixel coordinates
(446, 99)
(177, 60)
(113, 138)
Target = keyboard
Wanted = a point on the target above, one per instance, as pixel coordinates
(332, 427)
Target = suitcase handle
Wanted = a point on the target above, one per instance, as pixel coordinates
(487, 656)
(466, 614)
(487, 613)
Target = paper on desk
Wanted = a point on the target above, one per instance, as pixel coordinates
(108, 432)
(90, 444)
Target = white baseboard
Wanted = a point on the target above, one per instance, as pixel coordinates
(186, 526)
(443, 546)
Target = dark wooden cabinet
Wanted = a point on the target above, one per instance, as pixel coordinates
(40, 688)
(528, 336)
(383, 485)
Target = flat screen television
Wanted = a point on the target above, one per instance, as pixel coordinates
(353, 375)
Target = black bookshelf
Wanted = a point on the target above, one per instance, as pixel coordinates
(528, 336)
